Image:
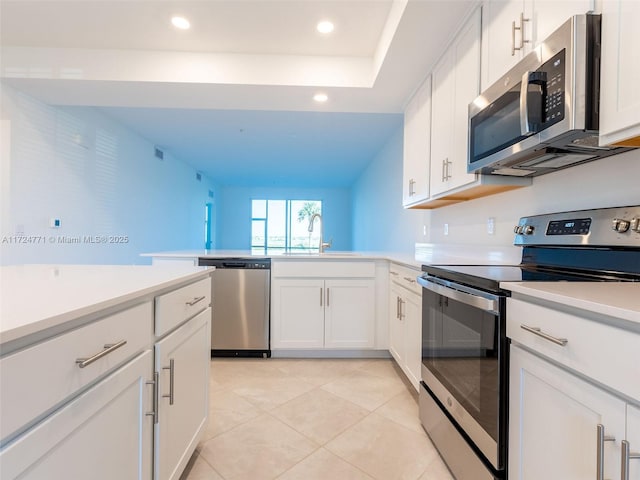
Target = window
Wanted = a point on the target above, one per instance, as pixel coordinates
(283, 225)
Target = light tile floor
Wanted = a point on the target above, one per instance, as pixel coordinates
(293, 419)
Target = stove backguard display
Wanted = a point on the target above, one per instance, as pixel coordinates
(579, 226)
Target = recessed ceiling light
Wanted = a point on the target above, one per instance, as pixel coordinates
(321, 97)
(325, 26)
(180, 22)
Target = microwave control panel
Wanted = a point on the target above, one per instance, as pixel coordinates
(554, 89)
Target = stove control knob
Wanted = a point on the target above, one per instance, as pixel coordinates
(528, 229)
(517, 230)
(635, 224)
(620, 225)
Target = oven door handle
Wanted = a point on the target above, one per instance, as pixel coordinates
(461, 293)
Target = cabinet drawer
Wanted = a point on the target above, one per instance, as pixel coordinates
(38, 378)
(405, 277)
(323, 268)
(179, 305)
(596, 350)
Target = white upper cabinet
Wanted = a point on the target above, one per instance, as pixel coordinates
(455, 85)
(512, 28)
(620, 73)
(417, 139)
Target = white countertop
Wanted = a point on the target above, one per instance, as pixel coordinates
(425, 253)
(34, 298)
(615, 299)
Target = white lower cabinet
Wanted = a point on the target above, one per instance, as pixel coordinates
(90, 402)
(574, 402)
(405, 322)
(323, 314)
(553, 423)
(103, 434)
(182, 361)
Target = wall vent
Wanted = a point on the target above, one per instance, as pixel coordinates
(198, 177)
(159, 153)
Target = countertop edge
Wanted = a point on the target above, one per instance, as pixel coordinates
(594, 297)
(40, 327)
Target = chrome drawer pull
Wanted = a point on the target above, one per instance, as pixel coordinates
(627, 454)
(154, 382)
(409, 279)
(195, 300)
(536, 331)
(172, 371)
(600, 452)
(108, 348)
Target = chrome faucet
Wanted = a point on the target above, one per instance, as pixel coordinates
(323, 245)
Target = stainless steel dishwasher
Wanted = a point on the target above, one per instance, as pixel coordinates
(241, 299)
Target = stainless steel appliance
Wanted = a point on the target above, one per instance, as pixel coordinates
(465, 352)
(542, 115)
(240, 303)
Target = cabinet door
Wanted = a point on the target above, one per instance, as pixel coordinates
(456, 83)
(396, 325)
(633, 437)
(297, 313)
(349, 320)
(103, 434)
(417, 141)
(413, 338)
(182, 360)
(545, 16)
(498, 37)
(619, 93)
(553, 421)
(443, 77)
(540, 18)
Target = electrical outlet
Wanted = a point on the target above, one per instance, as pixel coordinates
(491, 225)
(446, 229)
(424, 230)
(54, 223)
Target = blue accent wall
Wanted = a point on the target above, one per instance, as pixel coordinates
(233, 228)
(380, 223)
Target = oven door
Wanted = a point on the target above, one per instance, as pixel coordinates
(464, 361)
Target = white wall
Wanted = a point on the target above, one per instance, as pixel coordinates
(99, 179)
(380, 223)
(608, 182)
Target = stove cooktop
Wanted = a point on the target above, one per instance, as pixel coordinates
(488, 277)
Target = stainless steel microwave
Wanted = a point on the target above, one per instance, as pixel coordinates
(542, 115)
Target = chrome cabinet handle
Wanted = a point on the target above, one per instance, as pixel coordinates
(536, 331)
(172, 370)
(444, 166)
(108, 348)
(321, 292)
(327, 296)
(409, 279)
(393, 273)
(401, 312)
(195, 300)
(627, 455)
(601, 438)
(514, 49)
(154, 382)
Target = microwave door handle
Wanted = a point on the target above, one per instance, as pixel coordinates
(525, 127)
(529, 125)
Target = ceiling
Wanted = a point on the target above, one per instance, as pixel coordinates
(232, 95)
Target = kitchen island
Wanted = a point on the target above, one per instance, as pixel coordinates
(105, 370)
